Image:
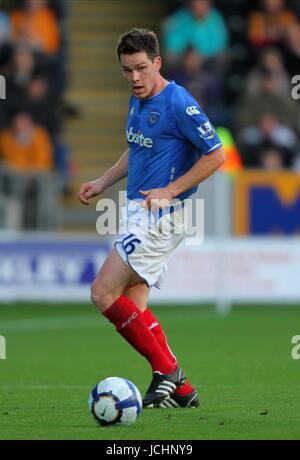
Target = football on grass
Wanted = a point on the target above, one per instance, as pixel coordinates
(115, 400)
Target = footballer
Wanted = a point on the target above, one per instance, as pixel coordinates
(172, 147)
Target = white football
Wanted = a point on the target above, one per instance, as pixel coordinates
(115, 400)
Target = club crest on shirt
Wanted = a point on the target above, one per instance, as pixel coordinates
(206, 130)
(153, 117)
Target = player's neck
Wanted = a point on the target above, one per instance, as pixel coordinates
(159, 86)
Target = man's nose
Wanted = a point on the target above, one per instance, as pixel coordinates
(135, 76)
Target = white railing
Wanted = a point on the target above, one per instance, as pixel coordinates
(28, 200)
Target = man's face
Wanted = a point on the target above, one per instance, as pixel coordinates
(141, 73)
(200, 8)
(273, 6)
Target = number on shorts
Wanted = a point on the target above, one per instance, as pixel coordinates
(129, 243)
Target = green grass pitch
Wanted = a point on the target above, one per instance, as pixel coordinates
(241, 364)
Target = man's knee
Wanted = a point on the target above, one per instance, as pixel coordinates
(101, 296)
(138, 293)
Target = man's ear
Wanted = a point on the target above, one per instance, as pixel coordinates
(157, 63)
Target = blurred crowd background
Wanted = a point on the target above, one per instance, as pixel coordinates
(237, 58)
(33, 60)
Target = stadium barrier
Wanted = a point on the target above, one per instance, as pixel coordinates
(29, 200)
(50, 267)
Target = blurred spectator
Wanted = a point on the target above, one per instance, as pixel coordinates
(22, 69)
(18, 75)
(197, 25)
(41, 106)
(201, 82)
(25, 146)
(267, 99)
(268, 132)
(270, 61)
(39, 103)
(270, 25)
(37, 26)
(272, 159)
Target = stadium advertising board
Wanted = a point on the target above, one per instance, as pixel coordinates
(49, 268)
(267, 203)
(242, 270)
(246, 270)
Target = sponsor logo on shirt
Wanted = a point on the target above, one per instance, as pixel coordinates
(139, 138)
(206, 130)
(193, 110)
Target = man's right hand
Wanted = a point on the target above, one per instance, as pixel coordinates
(89, 190)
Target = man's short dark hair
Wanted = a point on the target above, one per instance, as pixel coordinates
(137, 40)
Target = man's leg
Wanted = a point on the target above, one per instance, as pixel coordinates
(139, 293)
(107, 295)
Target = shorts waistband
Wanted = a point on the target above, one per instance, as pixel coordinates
(135, 205)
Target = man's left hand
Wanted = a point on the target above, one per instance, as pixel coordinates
(156, 198)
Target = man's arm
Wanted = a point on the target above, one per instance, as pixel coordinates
(109, 178)
(204, 168)
(201, 170)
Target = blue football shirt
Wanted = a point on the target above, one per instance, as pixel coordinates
(166, 136)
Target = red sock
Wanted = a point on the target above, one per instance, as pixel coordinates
(129, 322)
(156, 329)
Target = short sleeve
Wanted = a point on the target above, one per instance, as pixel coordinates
(192, 124)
